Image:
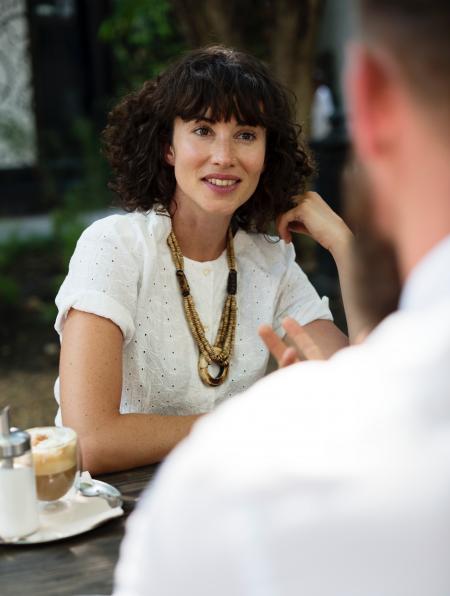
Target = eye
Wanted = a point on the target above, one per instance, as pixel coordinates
(202, 131)
(247, 136)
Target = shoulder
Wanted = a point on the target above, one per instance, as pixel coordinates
(263, 250)
(282, 426)
(119, 224)
(316, 445)
(320, 418)
(126, 230)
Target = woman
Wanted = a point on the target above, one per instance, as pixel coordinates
(159, 312)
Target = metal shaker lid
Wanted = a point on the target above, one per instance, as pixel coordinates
(12, 443)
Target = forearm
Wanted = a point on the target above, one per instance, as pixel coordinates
(342, 255)
(312, 216)
(123, 441)
(324, 335)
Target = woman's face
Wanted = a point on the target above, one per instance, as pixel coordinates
(217, 164)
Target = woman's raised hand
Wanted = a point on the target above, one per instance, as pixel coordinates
(312, 216)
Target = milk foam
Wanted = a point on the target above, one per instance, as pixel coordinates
(54, 449)
(44, 438)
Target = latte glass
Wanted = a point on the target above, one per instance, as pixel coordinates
(57, 463)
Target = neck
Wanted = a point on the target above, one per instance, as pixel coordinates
(413, 244)
(200, 236)
(423, 218)
(419, 189)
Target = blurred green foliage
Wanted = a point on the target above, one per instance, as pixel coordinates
(27, 268)
(28, 283)
(33, 267)
(88, 192)
(144, 36)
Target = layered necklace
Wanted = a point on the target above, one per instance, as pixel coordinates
(220, 352)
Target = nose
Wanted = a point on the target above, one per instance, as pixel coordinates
(223, 153)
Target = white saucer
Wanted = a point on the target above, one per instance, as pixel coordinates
(79, 514)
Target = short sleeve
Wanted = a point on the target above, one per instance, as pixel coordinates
(103, 276)
(297, 297)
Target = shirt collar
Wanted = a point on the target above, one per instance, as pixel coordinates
(429, 281)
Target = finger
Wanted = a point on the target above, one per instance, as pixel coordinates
(283, 229)
(361, 336)
(298, 199)
(302, 340)
(274, 344)
(298, 227)
(289, 357)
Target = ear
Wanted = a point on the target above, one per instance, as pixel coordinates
(169, 154)
(374, 102)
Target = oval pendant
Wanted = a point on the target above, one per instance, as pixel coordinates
(206, 377)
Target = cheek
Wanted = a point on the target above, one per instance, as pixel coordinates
(189, 153)
(187, 162)
(256, 162)
(192, 150)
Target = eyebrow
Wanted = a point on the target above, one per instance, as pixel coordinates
(212, 121)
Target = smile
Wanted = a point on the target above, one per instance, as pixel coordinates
(222, 182)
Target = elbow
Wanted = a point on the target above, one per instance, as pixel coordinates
(96, 457)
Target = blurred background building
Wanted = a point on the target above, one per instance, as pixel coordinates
(53, 71)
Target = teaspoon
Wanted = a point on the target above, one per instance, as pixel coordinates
(97, 488)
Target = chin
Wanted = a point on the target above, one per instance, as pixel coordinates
(221, 206)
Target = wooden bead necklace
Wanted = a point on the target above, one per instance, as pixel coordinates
(220, 352)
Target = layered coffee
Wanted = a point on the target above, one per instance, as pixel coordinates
(55, 458)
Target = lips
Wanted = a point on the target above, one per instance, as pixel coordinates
(222, 180)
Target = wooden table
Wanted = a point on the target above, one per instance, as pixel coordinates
(83, 564)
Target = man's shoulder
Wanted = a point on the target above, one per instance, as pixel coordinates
(324, 417)
(316, 462)
(280, 428)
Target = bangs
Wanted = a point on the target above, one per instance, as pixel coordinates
(216, 84)
(224, 93)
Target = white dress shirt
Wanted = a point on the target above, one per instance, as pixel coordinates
(324, 479)
(122, 269)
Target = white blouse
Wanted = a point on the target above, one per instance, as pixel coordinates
(122, 269)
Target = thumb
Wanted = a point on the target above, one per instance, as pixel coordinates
(289, 357)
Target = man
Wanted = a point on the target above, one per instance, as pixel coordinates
(333, 478)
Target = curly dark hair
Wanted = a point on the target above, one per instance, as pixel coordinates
(224, 83)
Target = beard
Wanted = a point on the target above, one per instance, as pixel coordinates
(376, 278)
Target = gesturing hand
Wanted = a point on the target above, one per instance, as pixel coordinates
(302, 346)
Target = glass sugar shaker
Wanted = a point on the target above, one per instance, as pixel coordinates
(18, 500)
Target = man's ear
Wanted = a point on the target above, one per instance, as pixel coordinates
(373, 103)
(169, 154)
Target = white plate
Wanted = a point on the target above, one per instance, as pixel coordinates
(78, 515)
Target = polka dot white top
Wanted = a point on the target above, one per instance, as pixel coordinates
(122, 269)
